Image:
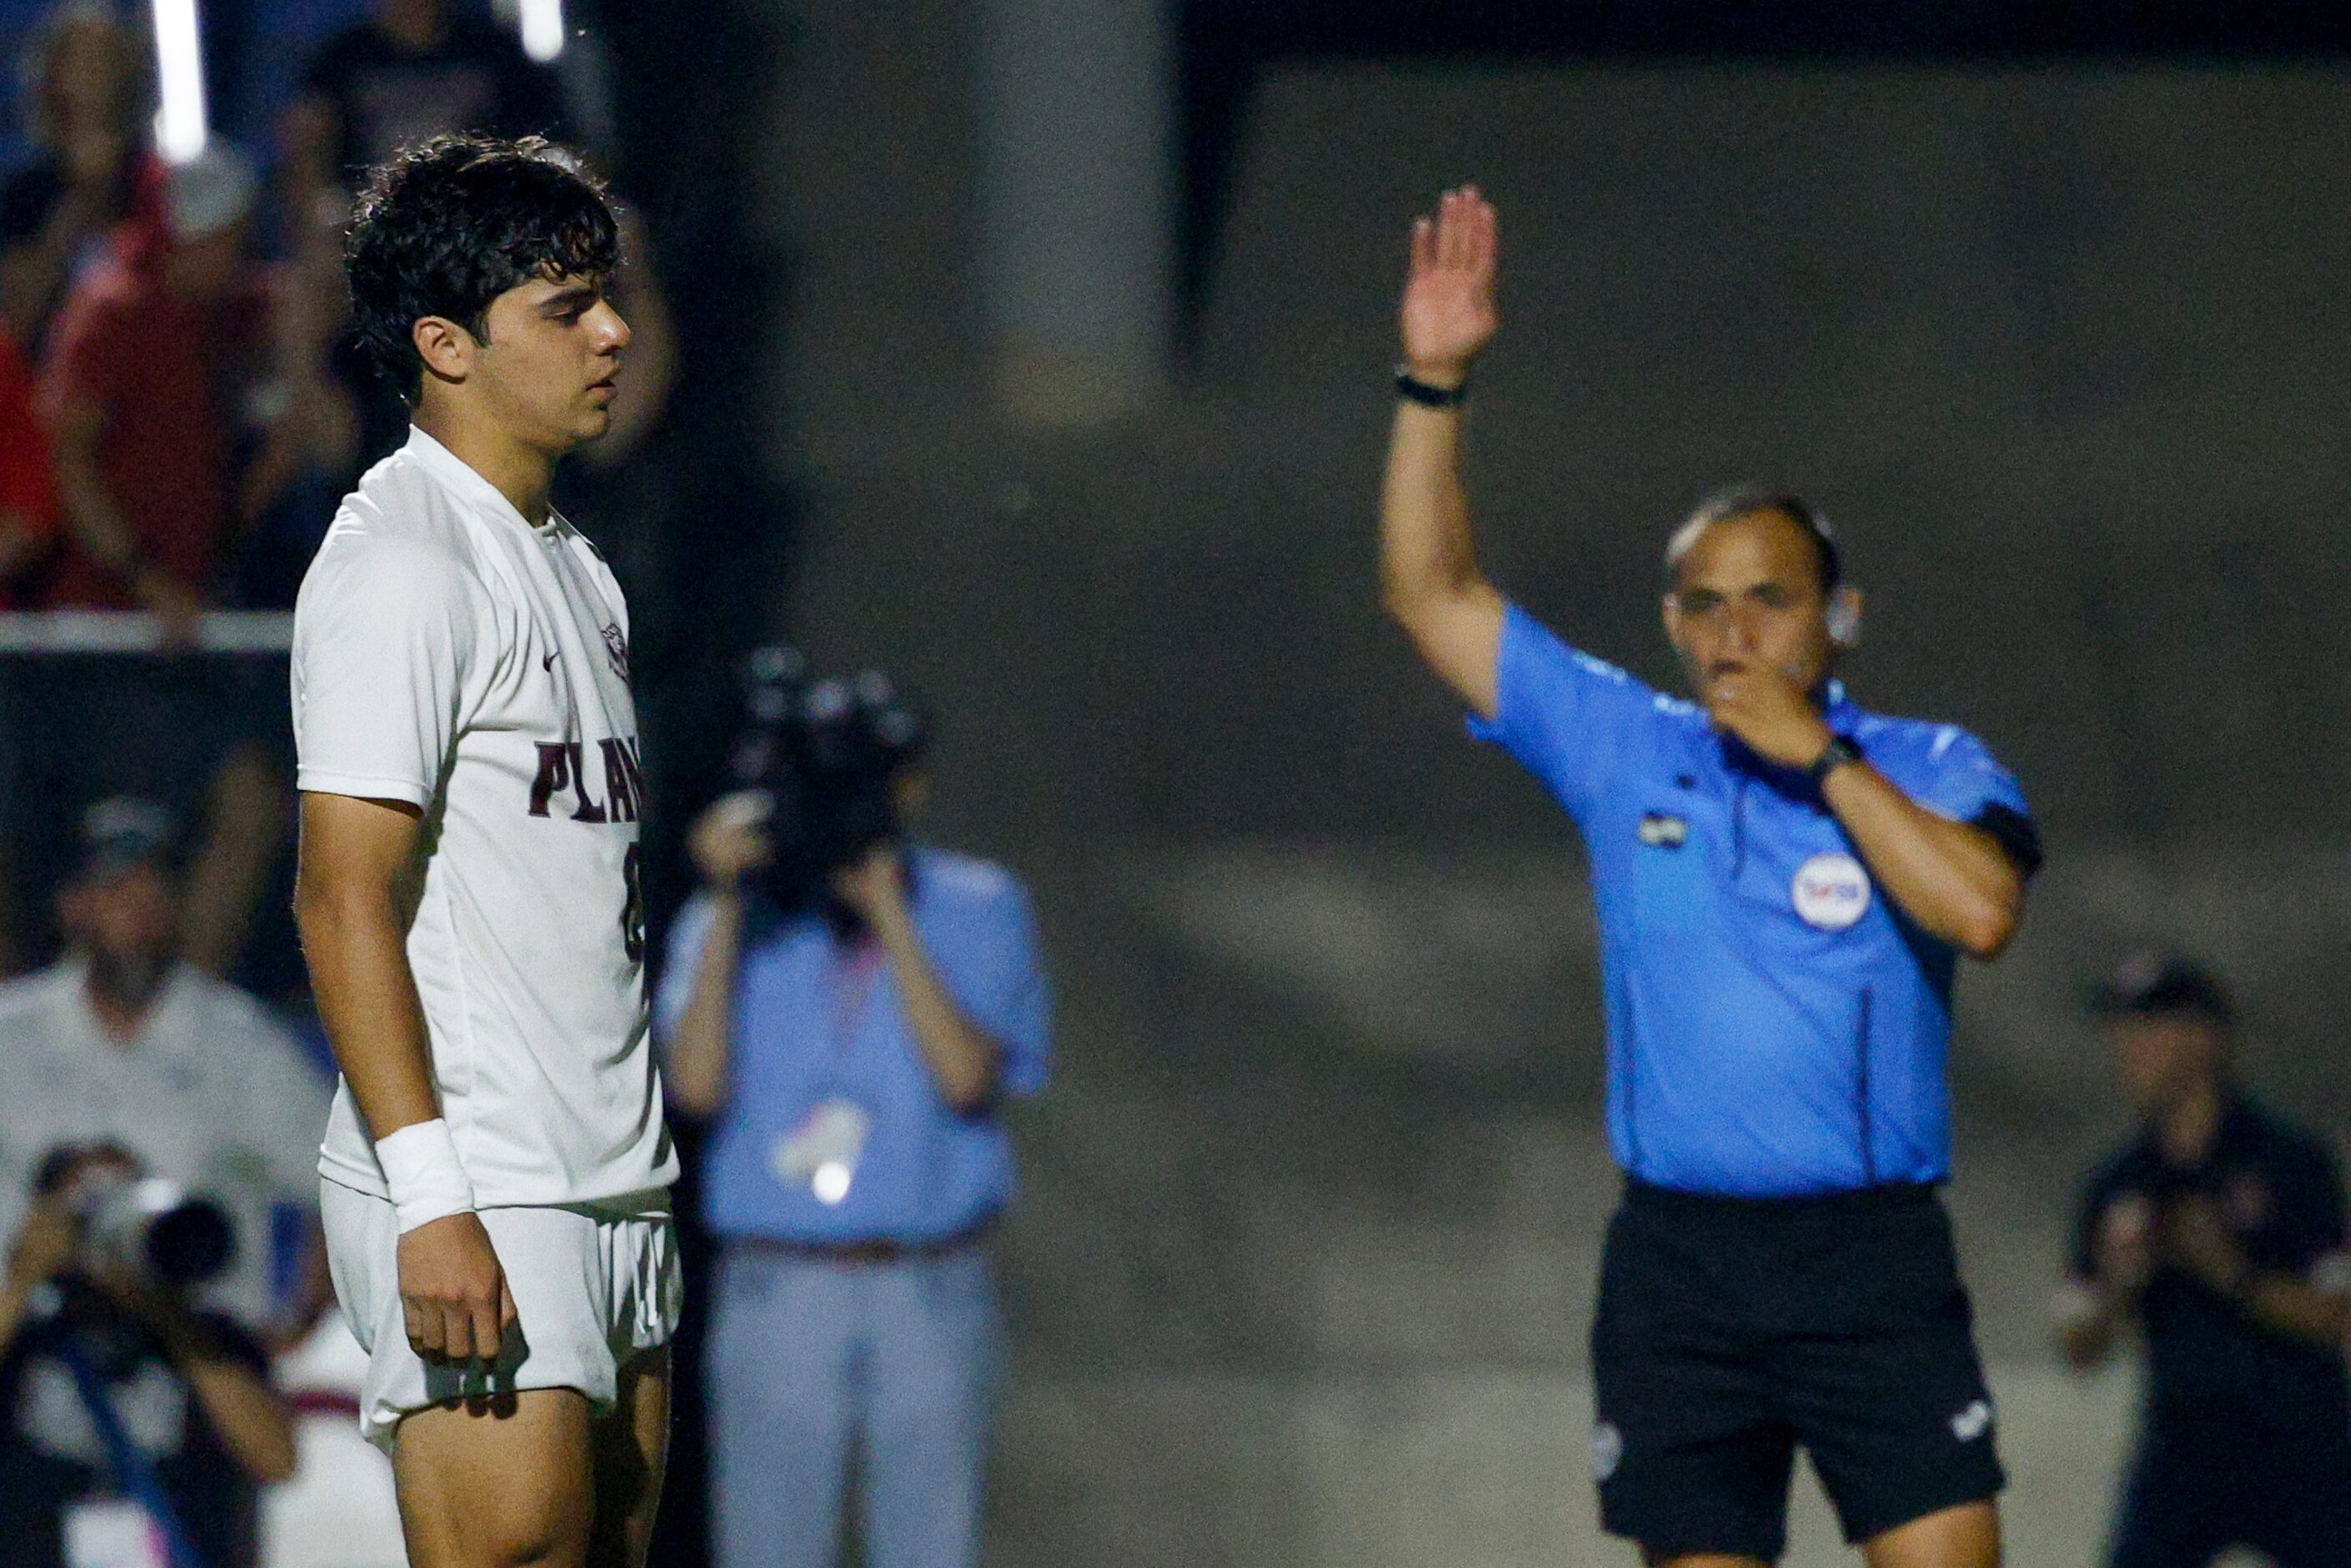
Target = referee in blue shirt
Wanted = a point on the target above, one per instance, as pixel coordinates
(1784, 883)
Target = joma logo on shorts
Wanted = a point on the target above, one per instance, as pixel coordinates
(563, 766)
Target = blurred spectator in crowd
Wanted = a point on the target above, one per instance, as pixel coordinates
(2219, 1231)
(123, 1042)
(144, 375)
(28, 491)
(83, 85)
(189, 1429)
(853, 1037)
(412, 69)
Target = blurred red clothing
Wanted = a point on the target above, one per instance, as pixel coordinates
(28, 492)
(161, 369)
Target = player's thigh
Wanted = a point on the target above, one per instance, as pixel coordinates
(631, 1452)
(498, 1482)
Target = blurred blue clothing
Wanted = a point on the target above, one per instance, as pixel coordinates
(1776, 1027)
(811, 1360)
(818, 1024)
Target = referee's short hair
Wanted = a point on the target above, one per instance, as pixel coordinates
(1749, 500)
(446, 226)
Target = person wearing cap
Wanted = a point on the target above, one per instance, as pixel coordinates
(2218, 1232)
(124, 1041)
(851, 1040)
(1785, 885)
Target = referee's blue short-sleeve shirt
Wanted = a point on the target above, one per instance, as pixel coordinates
(1776, 1027)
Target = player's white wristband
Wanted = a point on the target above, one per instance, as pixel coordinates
(421, 1170)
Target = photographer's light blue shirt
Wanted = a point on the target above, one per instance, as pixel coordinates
(813, 1025)
(1776, 1026)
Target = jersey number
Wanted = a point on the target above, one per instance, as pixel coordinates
(633, 908)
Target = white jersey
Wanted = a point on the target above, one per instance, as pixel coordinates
(449, 655)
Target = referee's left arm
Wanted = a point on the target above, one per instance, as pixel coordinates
(1956, 881)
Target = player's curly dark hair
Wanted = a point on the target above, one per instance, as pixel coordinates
(450, 223)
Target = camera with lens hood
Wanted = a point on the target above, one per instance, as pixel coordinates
(144, 1229)
(825, 755)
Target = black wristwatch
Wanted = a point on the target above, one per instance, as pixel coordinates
(1412, 389)
(1834, 756)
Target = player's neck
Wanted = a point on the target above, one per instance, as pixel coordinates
(524, 475)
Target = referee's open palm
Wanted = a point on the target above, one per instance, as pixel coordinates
(1448, 301)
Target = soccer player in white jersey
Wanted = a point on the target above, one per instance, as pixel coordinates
(496, 1164)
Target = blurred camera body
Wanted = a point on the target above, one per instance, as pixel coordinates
(825, 757)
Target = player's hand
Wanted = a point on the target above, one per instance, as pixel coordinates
(1448, 299)
(2123, 1248)
(730, 839)
(453, 1293)
(2197, 1237)
(1774, 715)
(874, 885)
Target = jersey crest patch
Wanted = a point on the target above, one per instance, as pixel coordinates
(1831, 892)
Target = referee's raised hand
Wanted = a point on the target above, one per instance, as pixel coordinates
(1449, 301)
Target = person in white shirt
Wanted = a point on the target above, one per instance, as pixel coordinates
(495, 1167)
(123, 1042)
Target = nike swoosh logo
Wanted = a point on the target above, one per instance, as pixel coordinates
(548, 662)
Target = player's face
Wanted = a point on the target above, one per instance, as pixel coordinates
(1747, 595)
(2162, 1057)
(547, 373)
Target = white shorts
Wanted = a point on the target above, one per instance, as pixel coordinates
(592, 1288)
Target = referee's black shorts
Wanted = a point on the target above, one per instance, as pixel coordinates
(1732, 1330)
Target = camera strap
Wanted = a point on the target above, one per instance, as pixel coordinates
(132, 1469)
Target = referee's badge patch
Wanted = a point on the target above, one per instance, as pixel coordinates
(1661, 831)
(1831, 892)
(1607, 1449)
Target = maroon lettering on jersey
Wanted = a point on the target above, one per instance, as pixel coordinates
(591, 809)
(619, 789)
(554, 773)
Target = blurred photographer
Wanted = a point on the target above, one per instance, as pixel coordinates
(2218, 1232)
(850, 1008)
(134, 1426)
(123, 1041)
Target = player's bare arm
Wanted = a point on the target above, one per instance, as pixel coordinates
(356, 857)
(1429, 578)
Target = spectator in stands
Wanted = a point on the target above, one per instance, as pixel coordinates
(85, 96)
(194, 1418)
(28, 491)
(2218, 1231)
(412, 69)
(854, 1035)
(122, 1041)
(150, 355)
